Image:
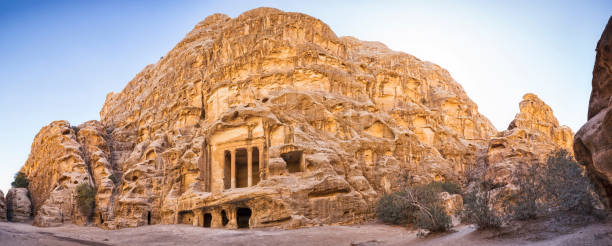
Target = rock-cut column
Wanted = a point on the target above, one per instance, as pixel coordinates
(249, 166)
(233, 167)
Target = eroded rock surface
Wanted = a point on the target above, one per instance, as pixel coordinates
(2, 207)
(593, 142)
(530, 139)
(267, 120)
(18, 205)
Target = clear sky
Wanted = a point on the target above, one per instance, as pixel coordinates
(59, 59)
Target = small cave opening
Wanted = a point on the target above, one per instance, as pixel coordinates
(207, 219)
(101, 219)
(293, 160)
(243, 215)
(148, 217)
(224, 219)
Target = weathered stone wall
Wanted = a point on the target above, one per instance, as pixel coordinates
(358, 112)
(331, 123)
(593, 142)
(2, 207)
(18, 205)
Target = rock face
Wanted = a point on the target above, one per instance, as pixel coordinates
(593, 142)
(266, 120)
(2, 207)
(18, 205)
(531, 137)
(63, 157)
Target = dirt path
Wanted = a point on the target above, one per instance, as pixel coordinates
(369, 234)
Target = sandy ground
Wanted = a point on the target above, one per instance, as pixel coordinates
(368, 234)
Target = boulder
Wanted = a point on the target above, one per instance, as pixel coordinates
(2, 207)
(593, 142)
(18, 205)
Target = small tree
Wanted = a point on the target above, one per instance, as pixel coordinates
(477, 207)
(394, 209)
(420, 205)
(21, 181)
(86, 199)
(566, 185)
(527, 204)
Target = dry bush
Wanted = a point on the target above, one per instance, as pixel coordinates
(527, 203)
(419, 205)
(477, 207)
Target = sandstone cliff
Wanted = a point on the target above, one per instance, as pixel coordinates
(593, 142)
(530, 138)
(268, 116)
(268, 119)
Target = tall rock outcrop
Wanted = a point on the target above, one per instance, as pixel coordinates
(2, 207)
(18, 205)
(593, 142)
(264, 120)
(327, 124)
(530, 138)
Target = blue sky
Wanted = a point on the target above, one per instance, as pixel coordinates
(61, 58)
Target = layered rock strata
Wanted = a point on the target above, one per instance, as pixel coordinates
(268, 118)
(530, 138)
(264, 120)
(18, 205)
(593, 142)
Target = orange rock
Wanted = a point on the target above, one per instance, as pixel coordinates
(593, 142)
(264, 120)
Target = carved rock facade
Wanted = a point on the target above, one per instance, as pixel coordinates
(264, 120)
(593, 142)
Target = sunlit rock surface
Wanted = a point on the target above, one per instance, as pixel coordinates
(264, 120)
(593, 142)
(530, 138)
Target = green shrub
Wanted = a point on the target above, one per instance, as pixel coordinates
(21, 181)
(566, 185)
(478, 210)
(112, 178)
(435, 221)
(448, 186)
(527, 202)
(420, 205)
(85, 199)
(395, 209)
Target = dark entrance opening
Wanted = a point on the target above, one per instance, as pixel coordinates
(207, 219)
(255, 158)
(101, 219)
(227, 170)
(243, 215)
(224, 219)
(293, 160)
(242, 172)
(148, 217)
